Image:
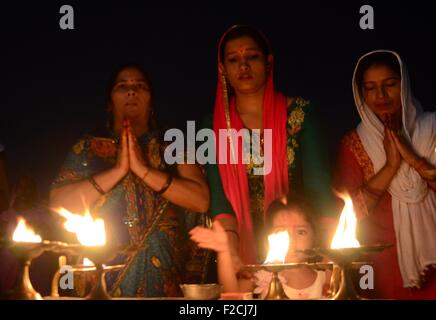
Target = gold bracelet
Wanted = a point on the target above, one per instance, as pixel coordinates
(96, 185)
(373, 192)
(145, 174)
(234, 232)
(419, 164)
(166, 185)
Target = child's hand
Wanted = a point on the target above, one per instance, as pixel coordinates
(214, 239)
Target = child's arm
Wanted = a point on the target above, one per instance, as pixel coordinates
(217, 240)
(226, 274)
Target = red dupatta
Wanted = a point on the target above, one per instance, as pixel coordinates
(234, 176)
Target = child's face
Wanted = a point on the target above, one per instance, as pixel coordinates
(301, 235)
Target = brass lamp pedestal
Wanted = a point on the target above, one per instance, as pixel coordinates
(25, 252)
(344, 259)
(100, 255)
(275, 290)
(23, 289)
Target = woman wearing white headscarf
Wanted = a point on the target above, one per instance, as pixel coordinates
(387, 165)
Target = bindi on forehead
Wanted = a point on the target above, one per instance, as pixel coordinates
(130, 75)
(242, 50)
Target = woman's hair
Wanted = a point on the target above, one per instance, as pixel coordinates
(291, 203)
(111, 83)
(240, 31)
(386, 59)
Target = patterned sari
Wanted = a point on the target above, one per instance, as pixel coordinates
(135, 214)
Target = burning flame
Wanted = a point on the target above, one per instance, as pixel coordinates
(278, 247)
(87, 262)
(23, 233)
(88, 231)
(345, 236)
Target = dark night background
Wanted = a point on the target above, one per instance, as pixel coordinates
(53, 80)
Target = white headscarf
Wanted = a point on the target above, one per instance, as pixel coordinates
(413, 202)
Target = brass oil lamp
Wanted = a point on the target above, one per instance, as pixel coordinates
(345, 260)
(26, 246)
(346, 251)
(275, 263)
(91, 234)
(275, 288)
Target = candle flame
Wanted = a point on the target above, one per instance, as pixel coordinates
(89, 231)
(345, 236)
(278, 247)
(23, 233)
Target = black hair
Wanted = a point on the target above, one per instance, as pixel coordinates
(376, 59)
(240, 31)
(294, 203)
(110, 85)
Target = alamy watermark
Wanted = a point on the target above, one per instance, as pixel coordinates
(66, 281)
(66, 22)
(366, 282)
(256, 147)
(367, 20)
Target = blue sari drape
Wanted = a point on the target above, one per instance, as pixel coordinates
(129, 210)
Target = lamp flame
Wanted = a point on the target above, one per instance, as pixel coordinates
(278, 247)
(89, 231)
(88, 263)
(23, 233)
(345, 236)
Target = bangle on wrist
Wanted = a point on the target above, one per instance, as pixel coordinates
(145, 174)
(96, 185)
(372, 192)
(166, 185)
(234, 232)
(419, 164)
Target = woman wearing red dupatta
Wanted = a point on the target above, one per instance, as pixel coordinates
(384, 164)
(246, 99)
